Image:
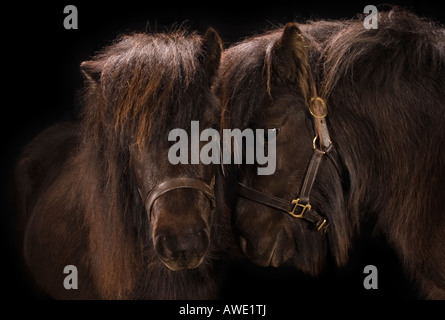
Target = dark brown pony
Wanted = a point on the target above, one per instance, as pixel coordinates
(81, 188)
(385, 93)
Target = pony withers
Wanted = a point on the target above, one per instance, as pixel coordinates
(102, 196)
(359, 115)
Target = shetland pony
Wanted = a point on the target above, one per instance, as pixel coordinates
(82, 189)
(384, 91)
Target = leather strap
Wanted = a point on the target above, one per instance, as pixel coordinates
(179, 183)
(263, 198)
(311, 175)
(300, 207)
(282, 205)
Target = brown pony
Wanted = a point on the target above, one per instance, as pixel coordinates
(385, 93)
(81, 188)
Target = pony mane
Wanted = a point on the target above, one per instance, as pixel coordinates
(244, 66)
(334, 48)
(403, 45)
(253, 63)
(137, 77)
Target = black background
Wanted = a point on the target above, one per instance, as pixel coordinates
(41, 87)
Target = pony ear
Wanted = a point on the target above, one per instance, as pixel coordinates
(92, 71)
(211, 53)
(289, 60)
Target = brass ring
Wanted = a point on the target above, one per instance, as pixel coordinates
(314, 145)
(311, 107)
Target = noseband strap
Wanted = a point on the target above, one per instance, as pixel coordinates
(299, 207)
(180, 183)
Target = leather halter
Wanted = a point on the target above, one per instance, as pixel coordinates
(180, 183)
(300, 207)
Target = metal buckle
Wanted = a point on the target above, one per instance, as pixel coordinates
(320, 102)
(324, 227)
(319, 147)
(297, 204)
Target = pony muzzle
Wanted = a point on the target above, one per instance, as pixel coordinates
(182, 249)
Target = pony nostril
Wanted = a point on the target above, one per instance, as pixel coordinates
(164, 244)
(201, 234)
(270, 250)
(173, 246)
(281, 251)
(264, 245)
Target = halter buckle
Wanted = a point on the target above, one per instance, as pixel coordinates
(323, 227)
(297, 203)
(321, 104)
